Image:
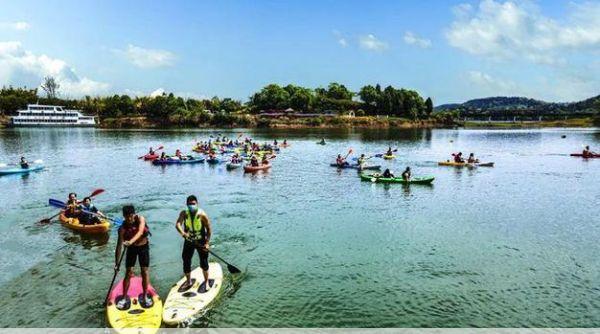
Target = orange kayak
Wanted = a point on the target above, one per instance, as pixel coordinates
(73, 223)
(250, 169)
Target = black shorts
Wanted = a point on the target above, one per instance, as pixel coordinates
(188, 252)
(138, 252)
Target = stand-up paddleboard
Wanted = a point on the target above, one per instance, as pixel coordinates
(134, 318)
(181, 306)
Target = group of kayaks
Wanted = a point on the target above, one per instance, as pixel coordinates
(179, 308)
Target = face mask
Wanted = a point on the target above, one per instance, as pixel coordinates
(193, 207)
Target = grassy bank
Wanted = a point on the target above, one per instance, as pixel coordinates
(254, 121)
(569, 123)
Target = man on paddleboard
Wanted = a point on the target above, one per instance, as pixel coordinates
(194, 227)
(133, 234)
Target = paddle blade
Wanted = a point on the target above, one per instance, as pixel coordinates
(233, 269)
(2, 165)
(56, 203)
(38, 161)
(96, 192)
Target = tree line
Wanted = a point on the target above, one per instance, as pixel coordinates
(335, 98)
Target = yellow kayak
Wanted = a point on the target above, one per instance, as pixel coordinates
(73, 223)
(389, 157)
(135, 318)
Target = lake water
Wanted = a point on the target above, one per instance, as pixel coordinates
(515, 245)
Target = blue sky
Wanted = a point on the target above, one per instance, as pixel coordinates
(449, 50)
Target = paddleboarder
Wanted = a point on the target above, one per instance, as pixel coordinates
(133, 234)
(194, 226)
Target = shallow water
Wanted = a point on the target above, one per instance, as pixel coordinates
(511, 246)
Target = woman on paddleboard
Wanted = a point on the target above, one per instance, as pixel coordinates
(133, 234)
(194, 227)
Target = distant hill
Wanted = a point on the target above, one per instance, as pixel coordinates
(522, 105)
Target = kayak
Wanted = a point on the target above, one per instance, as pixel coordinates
(231, 166)
(250, 169)
(170, 161)
(379, 179)
(356, 166)
(389, 157)
(181, 306)
(463, 164)
(151, 156)
(73, 223)
(320, 143)
(586, 157)
(213, 161)
(135, 318)
(19, 170)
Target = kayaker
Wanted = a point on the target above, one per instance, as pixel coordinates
(24, 164)
(587, 152)
(194, 226)
(254, 161)
(322, 142)
(340, 161)
(275, 142)
(133, 234)
(235, 159)
(458, 158)
(388, 174)
(265, 160)
(362, 160)
(163, 156)
(406, 175)
(150, 151)
(472, 159)
(389, 151)
(72, 211)
(284, 142)
(88, 218)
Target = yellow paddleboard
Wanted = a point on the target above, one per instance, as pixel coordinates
(135, 318)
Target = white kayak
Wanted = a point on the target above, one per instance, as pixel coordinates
(180, 307)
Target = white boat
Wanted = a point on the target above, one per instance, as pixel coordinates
(37, 115)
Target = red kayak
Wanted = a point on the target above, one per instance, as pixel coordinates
(586, 157)
(151, 156)
(250, 169)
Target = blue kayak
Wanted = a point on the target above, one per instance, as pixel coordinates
(19, 170)
(177, 161)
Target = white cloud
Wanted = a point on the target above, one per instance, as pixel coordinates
(370, 42)
(412, 39)
(19, 67)
(20, 25)
(487, 83)
(505, 30)
(157, 92)
(147, 58)
(341, 40)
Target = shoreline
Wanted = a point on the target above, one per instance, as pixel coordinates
(340, 122)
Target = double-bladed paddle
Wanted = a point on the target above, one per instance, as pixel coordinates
(47, 220)
(158, 149)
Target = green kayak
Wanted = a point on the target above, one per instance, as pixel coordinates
(379, 179)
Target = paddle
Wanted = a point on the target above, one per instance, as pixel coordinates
(232, 269)
(117, 268)
(60, 204)
(158, 149)
(39, 161)
(48, 220)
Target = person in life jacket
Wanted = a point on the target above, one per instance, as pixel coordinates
(194, 227)
(72, 209)
(458, 158)
(133, 234)
(86, 218)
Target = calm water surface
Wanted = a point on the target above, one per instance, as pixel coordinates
(511, 246)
